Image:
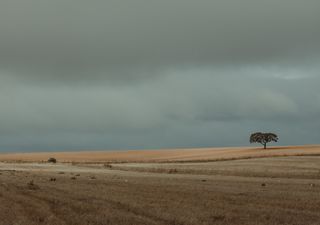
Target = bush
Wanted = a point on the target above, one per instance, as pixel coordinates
(52, 160)
(32, 186)
(107, 165)
(172, 171)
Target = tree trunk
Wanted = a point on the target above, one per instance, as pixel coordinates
(265, 146)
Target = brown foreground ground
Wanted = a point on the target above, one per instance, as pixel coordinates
(250, 189)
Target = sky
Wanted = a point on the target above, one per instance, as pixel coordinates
(148, 74)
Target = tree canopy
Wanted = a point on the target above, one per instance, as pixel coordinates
(263, 138)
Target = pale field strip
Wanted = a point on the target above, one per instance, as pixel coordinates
(165, 155)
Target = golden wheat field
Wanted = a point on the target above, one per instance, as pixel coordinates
(239, 186)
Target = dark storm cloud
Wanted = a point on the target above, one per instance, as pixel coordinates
(69, 39)
(143, 74)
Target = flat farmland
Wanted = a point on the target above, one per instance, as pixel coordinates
(247, 189)
(170, 155)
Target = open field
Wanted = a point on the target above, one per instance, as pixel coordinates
(172, 155)
(254, 190)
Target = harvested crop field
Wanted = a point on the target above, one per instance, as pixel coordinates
(268, 190)
(171, 155)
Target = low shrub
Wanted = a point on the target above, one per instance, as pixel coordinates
(52, 160)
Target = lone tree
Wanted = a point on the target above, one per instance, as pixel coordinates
(263, 138)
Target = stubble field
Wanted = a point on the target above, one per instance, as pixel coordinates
(203, 186)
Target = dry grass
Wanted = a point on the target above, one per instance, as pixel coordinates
(260, 191)
(165, 155)
(304, 167)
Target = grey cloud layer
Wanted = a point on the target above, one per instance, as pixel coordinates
(176, 110)
(144, 74)
(63, 39)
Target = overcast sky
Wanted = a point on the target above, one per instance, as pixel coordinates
(134, 74)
